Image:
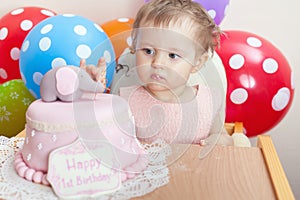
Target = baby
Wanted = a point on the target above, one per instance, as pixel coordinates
(172, 39)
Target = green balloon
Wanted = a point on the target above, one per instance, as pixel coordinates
(14, 101)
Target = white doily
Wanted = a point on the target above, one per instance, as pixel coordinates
(14, 187)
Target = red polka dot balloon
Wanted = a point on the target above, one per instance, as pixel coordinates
(260, 81)
(14, 26)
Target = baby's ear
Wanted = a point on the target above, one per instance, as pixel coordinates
(200, 62)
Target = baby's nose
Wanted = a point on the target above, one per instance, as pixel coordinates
(158, 61)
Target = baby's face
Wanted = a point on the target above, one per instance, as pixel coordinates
(164, 58)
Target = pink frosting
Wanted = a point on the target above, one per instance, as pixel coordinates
(37, 177)
(28, 173)
(51, 125)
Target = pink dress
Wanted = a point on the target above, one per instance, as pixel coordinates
(188, 122)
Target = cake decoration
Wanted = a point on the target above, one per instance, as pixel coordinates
(75, 120)
(67, 83)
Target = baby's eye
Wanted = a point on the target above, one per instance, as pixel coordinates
(174, 55)
(148, 51)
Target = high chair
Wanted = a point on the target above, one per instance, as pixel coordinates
(244, 172)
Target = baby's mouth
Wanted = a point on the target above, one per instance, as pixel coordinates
(157, 77)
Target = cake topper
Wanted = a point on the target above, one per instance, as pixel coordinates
(68, 83)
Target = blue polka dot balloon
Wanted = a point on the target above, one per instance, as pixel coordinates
(63, 40)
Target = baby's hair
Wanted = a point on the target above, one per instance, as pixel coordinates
(163, 13)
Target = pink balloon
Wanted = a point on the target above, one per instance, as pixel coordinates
(260, 86)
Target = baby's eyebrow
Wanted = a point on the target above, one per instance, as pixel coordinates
(144, 45)
(176, 50)
(147, 44)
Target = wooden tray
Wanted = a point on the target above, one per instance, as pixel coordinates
(226, 173)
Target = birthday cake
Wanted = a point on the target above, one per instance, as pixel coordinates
(82, 141)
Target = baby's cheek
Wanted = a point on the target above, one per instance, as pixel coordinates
(179, 77)
(143, 73)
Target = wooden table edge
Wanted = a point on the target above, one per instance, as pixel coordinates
(278, 177)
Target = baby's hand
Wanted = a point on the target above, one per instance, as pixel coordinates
(240, 140)
(97, 73)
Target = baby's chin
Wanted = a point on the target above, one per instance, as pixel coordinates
(162, 92)
(156, 87)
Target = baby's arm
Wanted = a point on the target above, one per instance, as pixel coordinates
(218, 131)
(98, 73)
(236, 139)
